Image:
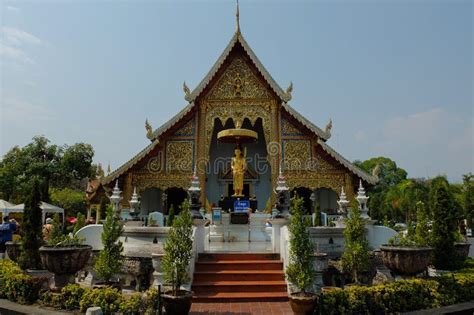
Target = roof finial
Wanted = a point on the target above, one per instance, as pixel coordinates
(237, 16)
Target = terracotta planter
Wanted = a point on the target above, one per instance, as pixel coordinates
(64, 262)
(406, 261)
(303, 304)
(462, 250)
(13, 250)
(179, 304)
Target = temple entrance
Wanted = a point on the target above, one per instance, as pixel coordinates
(151, 201)
(327, 199)
(175, 197)
(304, 193)
(257, 178)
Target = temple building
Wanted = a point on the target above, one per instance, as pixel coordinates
(238, 92)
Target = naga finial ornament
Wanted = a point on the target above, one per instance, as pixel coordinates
(187, 91)
(289, 90)
(149, 130)
(328, 128)
(237, 17)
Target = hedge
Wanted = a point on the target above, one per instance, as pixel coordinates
(399, 296)
(17, 286)
(393, 297)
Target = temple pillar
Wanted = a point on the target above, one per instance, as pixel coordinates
(274, 152)
(202, 157)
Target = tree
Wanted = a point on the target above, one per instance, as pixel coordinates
(73, 201)
(178, 250)
(356, 254)
(56, 235)
(55, 166)
(390, 175)
(468, 199)
(109, 262)
(444, 224)
(169, 221)
(77, 160)
(422, 235)
(80, 223)
(300, 271)
(32, 229)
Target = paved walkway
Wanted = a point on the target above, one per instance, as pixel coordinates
(267, 308)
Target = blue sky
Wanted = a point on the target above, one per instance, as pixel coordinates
(396, 77)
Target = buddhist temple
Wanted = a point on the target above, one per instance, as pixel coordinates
(237, 93)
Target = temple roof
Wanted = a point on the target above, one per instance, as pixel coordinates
(238, 38)
(285, 97)
(354, 169)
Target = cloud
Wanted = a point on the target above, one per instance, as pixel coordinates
(429, 143)
(12, 53)
(18, 37)
(14, 42)
(19, 112)
(12, 8)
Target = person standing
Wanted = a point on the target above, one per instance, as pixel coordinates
(7, 229)
(47, 228)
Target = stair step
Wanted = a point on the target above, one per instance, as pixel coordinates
(239, 265)
(238, 286)
(239, 275)
(238, 256)
(241, 297)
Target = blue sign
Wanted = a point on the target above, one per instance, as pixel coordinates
(241, 205)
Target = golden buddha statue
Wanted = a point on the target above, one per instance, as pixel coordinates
(239, 166)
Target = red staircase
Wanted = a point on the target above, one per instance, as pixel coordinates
(239, 277)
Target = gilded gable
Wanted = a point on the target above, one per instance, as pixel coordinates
(238, 81)
(186, 130)
(288, 129)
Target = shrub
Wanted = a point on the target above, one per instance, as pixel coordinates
(70, 297)
(152, 300)
(134, 305)
(108, 299)
(299, 271)
(7, 269)
(109, 261)
(178, 250)
(22, 288)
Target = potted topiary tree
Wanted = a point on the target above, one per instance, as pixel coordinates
(300, 271)
(32, 229)
(64, 255)
(109, 260)
(178, 251)
(445, 225)
(356, 258)
(410, 254)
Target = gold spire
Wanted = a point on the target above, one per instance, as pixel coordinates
(237, 16)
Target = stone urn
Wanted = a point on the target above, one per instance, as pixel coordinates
(303, 304)
(64, 262)
(462, 250)
(14, 250)
(406, 261)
